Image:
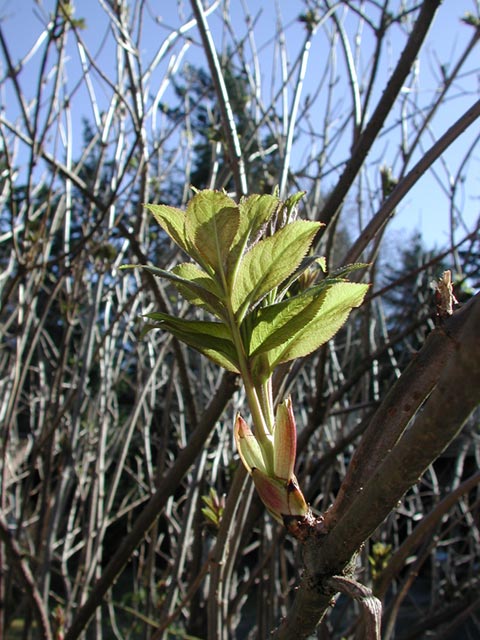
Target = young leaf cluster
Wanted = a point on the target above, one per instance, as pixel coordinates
(242, 266)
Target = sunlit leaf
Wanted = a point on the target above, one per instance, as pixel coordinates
(271, 261)
(255, 212)
(172, 221)
(201, 290)
(292, 201)
(210, 338)
(308, 264)
(193, 284)
(346, 269)
(280, 322)
(211, 224)
(337, 302)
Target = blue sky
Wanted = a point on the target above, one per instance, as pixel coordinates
(425, 208)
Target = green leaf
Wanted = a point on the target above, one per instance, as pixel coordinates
(270, 262)
(210, 514)
(307, 264)
(341, 272)
(275, 324)
(255, 212)
(201, 290)
(292, 201)
(172, 221)
(191, 282)
(211, 224)
(210, 338)
(336, 303)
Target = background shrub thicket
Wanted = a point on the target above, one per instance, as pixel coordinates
(113, 442)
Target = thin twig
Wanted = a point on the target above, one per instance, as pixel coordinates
(393, 88)
(237, 163)
(16, 557)
(403, 187)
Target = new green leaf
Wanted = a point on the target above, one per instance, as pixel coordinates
(275, 324)
(211, 224)
(255, 212)
(199, 288)
(210, 338)
(336, 304)
(270, 262)
(172, 221)
(193, 283)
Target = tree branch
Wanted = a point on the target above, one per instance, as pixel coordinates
(371, 606)
(421, 531)
(237, 164)
(393, 88)
(404, 186)
(153, 508)
(17, 561)
(331, 549)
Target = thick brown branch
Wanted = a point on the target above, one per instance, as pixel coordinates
(332, 551)
(393, 88)
(399, 406)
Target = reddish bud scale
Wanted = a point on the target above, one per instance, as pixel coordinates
(284, 441)
(279, 491)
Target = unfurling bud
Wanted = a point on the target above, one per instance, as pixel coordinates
(278, 490)
(281, 498)
(248, 446)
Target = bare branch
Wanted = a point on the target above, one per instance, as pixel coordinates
(393, 88)
(237, 163)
